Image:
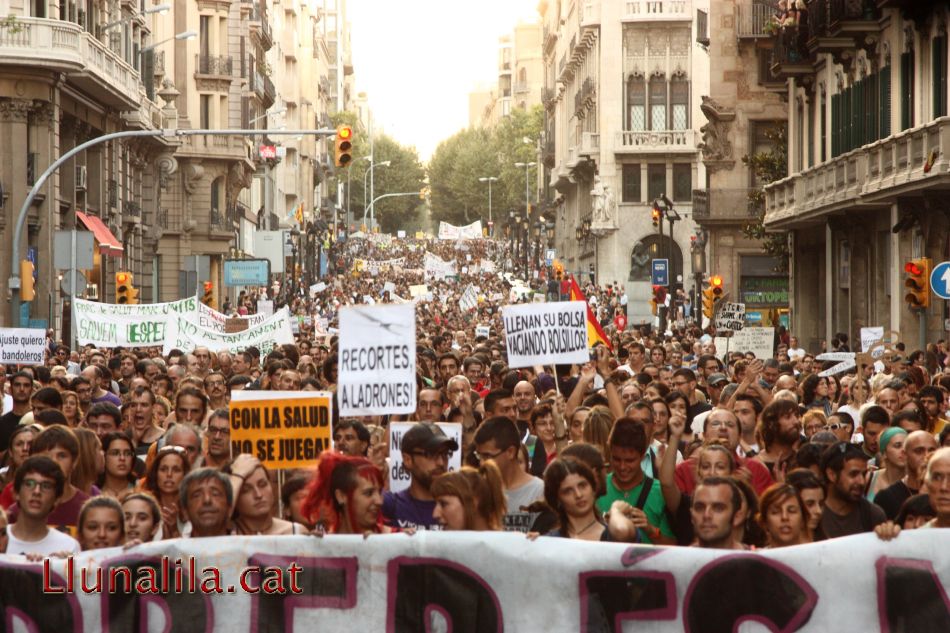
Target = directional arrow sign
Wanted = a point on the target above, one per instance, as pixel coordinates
(940, 280)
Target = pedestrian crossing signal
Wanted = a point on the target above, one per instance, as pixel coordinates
(125, 292)
(27, 286)
(344, 146)
(917, 282)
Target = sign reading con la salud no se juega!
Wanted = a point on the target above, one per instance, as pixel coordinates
(398, 476)
(542, 333)
(377, 360)
(283, 429)
(22, 346)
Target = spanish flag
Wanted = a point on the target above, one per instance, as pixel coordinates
(595, 333)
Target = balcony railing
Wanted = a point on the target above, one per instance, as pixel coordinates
(724, 204)
(590, 144)
(132, 209)
(655, 141)
(752, 16)
(219, 221)
(702, 28)
(912, 160)
(657, 10)
(521, 87)
(218, 65)
(590, 14)
(161, 218)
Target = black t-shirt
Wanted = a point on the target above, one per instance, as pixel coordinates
(8, 424)
(863, 518)
(893, 497)
(696, 409)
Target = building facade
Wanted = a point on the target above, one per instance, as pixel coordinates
(520, 78)
(866, 89)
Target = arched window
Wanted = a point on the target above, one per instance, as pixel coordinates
(679, 102)
(658, 102)
(636, 103)
(217, 191)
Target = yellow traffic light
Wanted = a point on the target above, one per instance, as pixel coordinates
(712, 295)
(344, 146)
(125, 293)
(27, 287)
(917, 282)
(657, 215)
(208, 297)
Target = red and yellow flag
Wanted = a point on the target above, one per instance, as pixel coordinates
(595, 333)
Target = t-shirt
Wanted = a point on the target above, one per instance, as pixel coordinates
(518, 520)
(402, 510)
(654, 508)
(893, 497)
(64, 517)
(863, 518)
(685, 475)
(108, 397)
(8, 423)
(53, 542)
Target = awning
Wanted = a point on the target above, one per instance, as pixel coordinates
(108, 244)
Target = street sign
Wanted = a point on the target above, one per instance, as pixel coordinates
(549, 255)
(940, 280)
(73, 283)
(661, 272)
(62, 245)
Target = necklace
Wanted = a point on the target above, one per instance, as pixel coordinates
(589, 526)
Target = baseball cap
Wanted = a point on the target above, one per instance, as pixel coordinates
(716, 379)
(427, 436)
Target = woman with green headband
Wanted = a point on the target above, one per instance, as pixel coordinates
(892, 461)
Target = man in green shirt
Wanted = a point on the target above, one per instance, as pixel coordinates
(627, 482)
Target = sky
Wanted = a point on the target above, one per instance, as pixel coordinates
(417, 60)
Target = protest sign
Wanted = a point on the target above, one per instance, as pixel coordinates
(482, 330)
(377, 360)
(869, 336)
(730, 317)
(471, 231)
(758, 340)
(22, 346)
(389, 287)
(210, 318)
(398, 476)
(469, 299)
(183, 334)
(375, 266)
(283, 429)
(419, 290)
(237, 324)
(317, 288)
(265, 307)
(137, 325)
(541, 333)
(482, 582)
(436, 267)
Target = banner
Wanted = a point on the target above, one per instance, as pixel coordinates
(377, 360)
(22, 346)
(543, 333)
(211, 319)
(184, 335)
(471, 231)
(482, 582)
(871, 335)
(283, 429)
(399, 477)
(469, 299)
(139, 325)
(375, 266)
(758, 340)
(435, 266)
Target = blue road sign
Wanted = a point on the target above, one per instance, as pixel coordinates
(940, 280)
(661, 272)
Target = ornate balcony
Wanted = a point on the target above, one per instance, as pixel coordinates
(590, 144)
(655, 142)
(728, 206)
(214, 65)
(652, 10)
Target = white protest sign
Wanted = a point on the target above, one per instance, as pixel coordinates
(730, 317)
(870, 335)
(398, 476)
(138, 325)
(482, 330)
(389, 287)
(542, 333)
(22, 346)
(758, 340)
(435, 266)
(845, 360)
(318, 288)
(213, 320)
(471, 231)
(483, 582)
(265, 307)
(469, 299)
(183, 334)
(377, 360)
(419, 290)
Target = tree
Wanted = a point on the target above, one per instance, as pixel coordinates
(769, 166)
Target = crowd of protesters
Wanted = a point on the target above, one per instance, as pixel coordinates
(659, 439)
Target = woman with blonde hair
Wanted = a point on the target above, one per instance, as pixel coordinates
(597, 429)
(90, 463)
(470, 498)
(72, 410)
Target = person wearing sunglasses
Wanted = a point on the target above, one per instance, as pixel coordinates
(39, 483)
(425, 455)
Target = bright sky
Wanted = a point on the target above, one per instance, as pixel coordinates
(417, 60)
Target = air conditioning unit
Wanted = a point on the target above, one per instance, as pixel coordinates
(81, 180)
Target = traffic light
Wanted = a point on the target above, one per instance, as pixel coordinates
(208, 297)
(917, 282)
(27, 287)
(344, 146)
(658, 299)
(712, 295)
(125, 293)
(657, 215)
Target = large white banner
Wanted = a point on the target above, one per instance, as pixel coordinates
(210, 318)
(139, 325)
(22, 346)
(399, 477)
(377, 360)
(471, 231)
(435, 266)
(482, 582)
(543, 333)
(183, 334)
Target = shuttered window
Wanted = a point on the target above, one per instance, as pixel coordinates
(884, 103)
(835, 125)
(907, 90)
(939, 64)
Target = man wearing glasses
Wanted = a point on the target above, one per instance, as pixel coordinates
(218, 451)
(425, 455)
(38, 483)
(217, 389)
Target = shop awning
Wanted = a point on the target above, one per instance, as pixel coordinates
(108, 244)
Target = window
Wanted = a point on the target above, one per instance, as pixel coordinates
(658, 103)
(204, 32)
(884, 101)
(939, 65)
(636, 103)
(823, 116)
(763, 133)
(631, 182)
(682, 182)
(656, 181)
(205, 105)
(216, 195)
(679, 102)
(907, 90)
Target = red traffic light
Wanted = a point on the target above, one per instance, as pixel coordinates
(715, 281)
(913, 269)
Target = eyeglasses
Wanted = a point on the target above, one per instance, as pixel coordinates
(115, 452)
(433, 454)
(484, 456)
(834, 426)
(216, 430)
(45, 486)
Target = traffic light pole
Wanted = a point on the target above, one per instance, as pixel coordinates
(14, 281)
(372, 204)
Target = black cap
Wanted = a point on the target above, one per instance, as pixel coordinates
(716, 379)
(427, 436)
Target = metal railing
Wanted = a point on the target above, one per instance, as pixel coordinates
(221, 65)
(219, 221)
(725, 204)
(113, 193)
(752, 18)
(131, 208)
(161, 218)
(656, 139)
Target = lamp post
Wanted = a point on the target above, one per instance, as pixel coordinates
(527, 189)
(372, 187)
(489, 180)
(525, 230)
(184, 35)
(294, 239)
(267, 114)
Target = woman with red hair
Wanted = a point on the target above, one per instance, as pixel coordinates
(345, 496)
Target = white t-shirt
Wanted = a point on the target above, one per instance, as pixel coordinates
(7, 404)
(54, 542)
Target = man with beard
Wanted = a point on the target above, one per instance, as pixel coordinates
(715, 513)
(425, 455)
(781, 433)
(847, 512)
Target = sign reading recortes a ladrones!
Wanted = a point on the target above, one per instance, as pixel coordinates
(377, 360)
(543, 333)
(22, 346)
(283, 429)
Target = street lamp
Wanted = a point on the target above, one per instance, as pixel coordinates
(184, 35)
(267, 114)
(161, 9)
(294, 240)
(372, 187)
(489, 180)
(527, 195)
